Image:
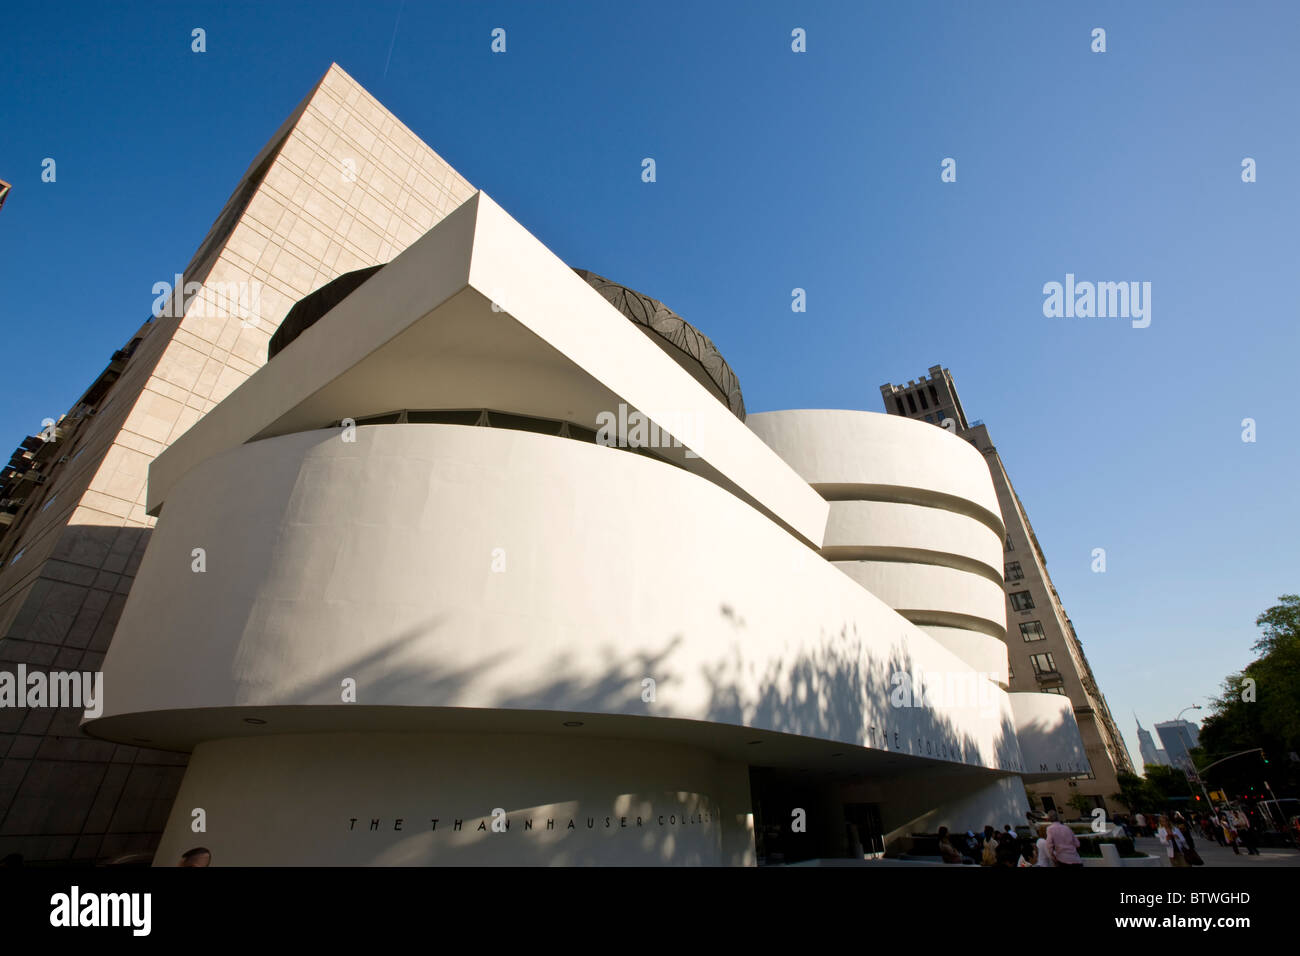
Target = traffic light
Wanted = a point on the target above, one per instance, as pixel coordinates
(1265, 756)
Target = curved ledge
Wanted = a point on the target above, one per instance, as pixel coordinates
(920, 497)
(984, 652)
(894, 531)
(929, 594)
(868, 455)
(937, 559)
(924, 618)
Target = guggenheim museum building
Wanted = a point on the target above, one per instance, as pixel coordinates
(488, 565)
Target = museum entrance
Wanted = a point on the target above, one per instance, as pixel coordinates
(801, 815)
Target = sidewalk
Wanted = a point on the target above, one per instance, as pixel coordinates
(1215, 855)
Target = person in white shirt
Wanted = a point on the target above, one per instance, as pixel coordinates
(1044, 857)
(1174, 842)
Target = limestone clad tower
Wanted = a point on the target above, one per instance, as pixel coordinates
(341, 185)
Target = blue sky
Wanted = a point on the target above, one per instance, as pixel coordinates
(779, 170)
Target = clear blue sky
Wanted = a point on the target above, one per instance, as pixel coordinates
(776, 171)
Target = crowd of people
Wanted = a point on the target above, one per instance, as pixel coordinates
(1059, 846)
(1228, 828)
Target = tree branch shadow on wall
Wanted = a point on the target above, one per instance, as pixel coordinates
(827, 692)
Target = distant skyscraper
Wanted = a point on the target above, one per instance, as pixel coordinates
(1150, 753)
(1045, 653)
(1179, 737)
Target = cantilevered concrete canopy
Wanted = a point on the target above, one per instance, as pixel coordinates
(478, 313)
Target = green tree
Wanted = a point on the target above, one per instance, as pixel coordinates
(1260, 707)
(1082, 803)
(1165, 783)
(1133, 793)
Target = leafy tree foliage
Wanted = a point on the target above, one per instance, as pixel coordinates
(1260, 707)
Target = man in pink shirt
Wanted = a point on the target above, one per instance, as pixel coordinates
(1062, 842)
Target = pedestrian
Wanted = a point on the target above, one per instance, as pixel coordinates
(1042, 854)
(989, 849)
(1141, 821)
(1230, 834)
(1007, 850)
(1250, 839)
(946, 849)
(1189, 853)
(1062, 844)
(1174, 842)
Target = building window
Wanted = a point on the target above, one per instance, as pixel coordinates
(1054, 690)
(1032, 631)
(1011, 671)
(49, 502)
(934, 395)
(899, 403)
(924, 403)
(1043, 663)
(388, 418)
(1022, 601)
(911, 403)
(1013, 571)
(17, 556)
(1010, 546)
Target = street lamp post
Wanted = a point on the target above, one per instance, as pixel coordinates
(1199, 778)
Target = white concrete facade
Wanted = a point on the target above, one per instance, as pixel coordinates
(459, 620)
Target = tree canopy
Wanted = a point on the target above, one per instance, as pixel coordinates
(1259, 708)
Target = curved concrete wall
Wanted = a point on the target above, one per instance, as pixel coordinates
(930, 594)
(429, 799)
(860, 455)
(983, 652)
(913, 518)
(1049, 735)
(906, 532)
(452, 572)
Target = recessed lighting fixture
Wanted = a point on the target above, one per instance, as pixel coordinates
(573, 723)
(753, 742)
(254, 720)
